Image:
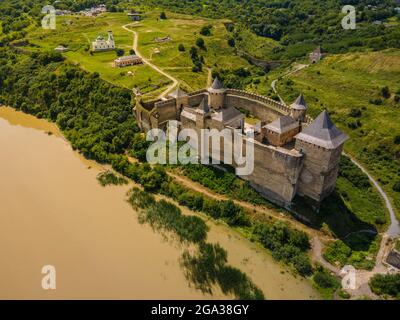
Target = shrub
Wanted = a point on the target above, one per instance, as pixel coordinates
(385, 92)
(108, 177)
(200, 43)
(325, 280)
(355, 113)
(163, 16)
(120, 52)
(386, 284)
(206, 30)
(181, 47)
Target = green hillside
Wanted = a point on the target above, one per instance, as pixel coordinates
(353, 89)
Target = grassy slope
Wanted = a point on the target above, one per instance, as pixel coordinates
(343, 82)
(184, 29)
(77, 33)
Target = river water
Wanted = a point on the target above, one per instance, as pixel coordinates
(54, 212)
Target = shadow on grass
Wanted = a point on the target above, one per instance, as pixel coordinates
(339, 218)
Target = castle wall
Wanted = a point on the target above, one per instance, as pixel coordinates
(195, 99)
(321, 166)
(258, 108)
(166, 110)
(275, 173)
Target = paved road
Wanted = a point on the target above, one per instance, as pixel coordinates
(135, 48)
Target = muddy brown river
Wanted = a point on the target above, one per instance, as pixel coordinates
(54, 212)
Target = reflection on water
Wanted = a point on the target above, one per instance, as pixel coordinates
(53, 211)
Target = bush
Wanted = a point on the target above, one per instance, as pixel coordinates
(206, 30)
(385, 92)
(396, 186)
(108, 178)
(325, 280)
(119, 52)
(231, 42)
(163, 16)
(200, 43)
(355, 113)
(181, 47)
(386, 284)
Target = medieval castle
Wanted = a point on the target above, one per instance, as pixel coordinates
(293, 154)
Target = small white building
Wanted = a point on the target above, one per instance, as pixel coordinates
(101, 44)
(60, 49)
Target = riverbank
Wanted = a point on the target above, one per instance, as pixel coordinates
(89, 233)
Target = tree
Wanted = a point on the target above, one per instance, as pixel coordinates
(131, 51)
(181, 47)
(119, 52)
(206, 30)
(396, 186)
(231, 42)
(163, 16)
(385, 92)
(200, 43)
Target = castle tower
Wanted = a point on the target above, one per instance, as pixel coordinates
(202, 112)
(298, 108)
(111, 41)
(182, 99)
(216, 97)
(322, 144)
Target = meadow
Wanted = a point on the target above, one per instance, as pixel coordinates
(77, 32)
(352, 87)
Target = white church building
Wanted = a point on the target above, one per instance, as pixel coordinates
(101, 44)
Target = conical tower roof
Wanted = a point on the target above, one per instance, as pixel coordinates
(203, 107)
(216, 86)
(299, 103)
(178, 93)
(322, 132)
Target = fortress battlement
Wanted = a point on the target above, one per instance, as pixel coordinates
(293, 154)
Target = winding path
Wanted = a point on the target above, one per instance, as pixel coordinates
(146, 61)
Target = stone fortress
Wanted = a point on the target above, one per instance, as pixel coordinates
(293, 154)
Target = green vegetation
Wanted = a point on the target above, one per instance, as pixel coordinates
(207, 266)
(223, 182)
(77, 32)
(388, 284)
(225, 210)
(287, 245)
(110, 178)
(326, 283)
(358, 249)
(397, 245)
(165, 216)
(312, 23)
(350, 82)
